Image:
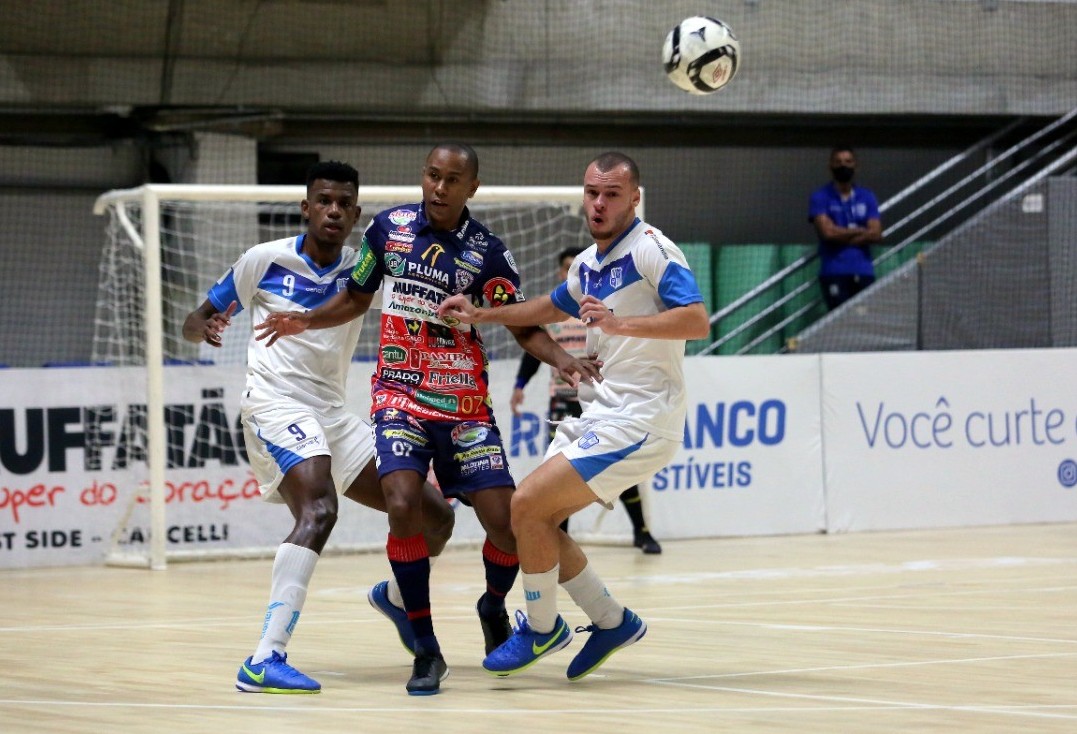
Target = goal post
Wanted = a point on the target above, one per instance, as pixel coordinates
(164, 247)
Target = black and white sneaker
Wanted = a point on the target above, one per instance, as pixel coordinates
(426, 674)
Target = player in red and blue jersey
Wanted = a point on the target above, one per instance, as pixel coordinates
(430, 392)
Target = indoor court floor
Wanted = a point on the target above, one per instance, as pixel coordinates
(958, 630)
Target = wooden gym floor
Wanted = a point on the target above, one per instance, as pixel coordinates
(964, 630)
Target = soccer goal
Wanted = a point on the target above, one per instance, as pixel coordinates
(164, 246)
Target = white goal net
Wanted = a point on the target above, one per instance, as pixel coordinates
(164, 247)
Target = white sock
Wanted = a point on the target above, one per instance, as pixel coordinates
(393, 590)
(591, 595)
(292, 569)
(540, 590)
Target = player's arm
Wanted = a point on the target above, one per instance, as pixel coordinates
(869, 235)
(345, 306)
(206, 323)
(539, 343)
(834, 234)
(522, 313)
(680, 322)
(522, 319)
(529, 365)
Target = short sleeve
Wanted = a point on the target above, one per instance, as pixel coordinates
(664, 265)
(240, 283)
(367, 274)
(873, 205)
(500, 278)
(817, 204)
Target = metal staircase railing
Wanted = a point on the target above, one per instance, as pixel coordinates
(1012, 166)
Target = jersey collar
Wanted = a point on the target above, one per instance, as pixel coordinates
(600, 256)
(318, 269)
(460, 232)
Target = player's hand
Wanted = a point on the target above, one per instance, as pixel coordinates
(456, 309)
(517, 400)
(594, 313)
(278, 324)
(216, 324)
(575, 370)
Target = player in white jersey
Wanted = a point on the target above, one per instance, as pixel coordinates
(634, 290)
(304, 446)
(571, 334)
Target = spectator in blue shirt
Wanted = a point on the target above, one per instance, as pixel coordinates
(846, 218)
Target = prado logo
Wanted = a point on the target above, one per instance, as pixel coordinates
(401, 217)
(406, 377)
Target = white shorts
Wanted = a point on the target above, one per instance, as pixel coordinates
(611, 457)
(283, 434)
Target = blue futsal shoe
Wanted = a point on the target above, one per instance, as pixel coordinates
(378, 596)
(274, 675)
(603, 643)
(526, 647)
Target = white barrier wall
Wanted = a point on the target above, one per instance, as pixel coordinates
(933, 439)
(907, 440)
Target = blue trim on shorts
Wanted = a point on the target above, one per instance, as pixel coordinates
(591, 466)
(285, 459)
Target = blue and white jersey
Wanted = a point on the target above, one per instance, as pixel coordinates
(642, 274)
(311, 367)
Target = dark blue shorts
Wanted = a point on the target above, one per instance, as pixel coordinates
(466, 456)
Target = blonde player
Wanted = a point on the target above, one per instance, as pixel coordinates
(634, 289)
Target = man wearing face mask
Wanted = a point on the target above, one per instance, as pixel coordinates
(846, 218)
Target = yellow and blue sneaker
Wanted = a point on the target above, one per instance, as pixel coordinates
(378, 596)
(603, 643)
(526, 647)
(274, 675)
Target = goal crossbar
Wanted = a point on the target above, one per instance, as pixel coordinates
(143, 229)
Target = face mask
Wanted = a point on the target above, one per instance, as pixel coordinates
(842, 174)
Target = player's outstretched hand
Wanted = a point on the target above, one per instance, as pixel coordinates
(580, 369)
(456, 309)
(594, 313)
(281, 323)
(216, 324)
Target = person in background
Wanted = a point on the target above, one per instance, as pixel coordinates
(634, 290)
(565, 402)
(304, 446)
(846, 219)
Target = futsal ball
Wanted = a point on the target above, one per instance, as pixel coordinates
(701, 55)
